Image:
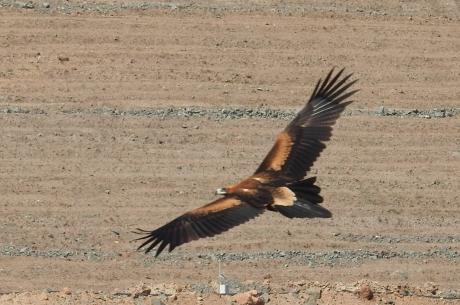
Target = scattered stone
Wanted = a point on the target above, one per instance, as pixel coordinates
(380, 110)
(63, 58)
(314, 294)
(141, 291)
(365, 292)
(44, 296)
(66, 291)
(300, 283)
(266, 297)
(339, 287)
(430, 288)
(157, 301)
(46, 5)
(28, 5)
(314, 291)
(249, 298)
(173, 297)
(391, 111)
(403, 290)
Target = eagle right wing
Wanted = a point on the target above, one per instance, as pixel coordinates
(298, 146)
(206, 221)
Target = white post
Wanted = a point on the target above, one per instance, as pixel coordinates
(222, 286)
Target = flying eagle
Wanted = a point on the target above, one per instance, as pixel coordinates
(278, 184)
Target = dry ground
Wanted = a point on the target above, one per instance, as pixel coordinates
(76, 178)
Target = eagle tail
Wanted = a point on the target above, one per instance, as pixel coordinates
(307, 203)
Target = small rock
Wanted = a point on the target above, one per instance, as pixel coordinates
(142, 291)
(46, 5)
(366, 292)
(156, 301)
(44, 296)
(314, 294)
(107, 192)
(266, 297)
(431, 288)
(380, 110)
(249, 298)
(300, 283)
(63, 58)
(172, 297)
(390, 111)
(28, 5)
(66, 291)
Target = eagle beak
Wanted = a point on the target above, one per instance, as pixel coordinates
(221, 191)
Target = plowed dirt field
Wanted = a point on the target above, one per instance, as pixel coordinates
(118, 115)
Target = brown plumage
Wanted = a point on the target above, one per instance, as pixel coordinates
(279, 182)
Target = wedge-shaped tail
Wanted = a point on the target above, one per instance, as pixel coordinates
(307, 201)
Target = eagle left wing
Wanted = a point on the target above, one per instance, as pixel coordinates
(206, 221)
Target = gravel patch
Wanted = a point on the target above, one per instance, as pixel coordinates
(79, 254)
(313, 259)
(294, 9)
(426, 114)
(397, 239)
(232, 113)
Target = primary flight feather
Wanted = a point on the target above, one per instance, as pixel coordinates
(279, 182)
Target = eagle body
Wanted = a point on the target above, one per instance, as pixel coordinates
(279, 184)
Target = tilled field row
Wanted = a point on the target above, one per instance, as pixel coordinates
(312, 259)
(291, 8)
(231, 113)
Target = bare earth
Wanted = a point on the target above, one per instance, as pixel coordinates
(118, 115)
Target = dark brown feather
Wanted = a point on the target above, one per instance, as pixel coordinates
(300, 144)
(209, 220)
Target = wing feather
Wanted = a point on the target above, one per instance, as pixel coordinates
(209, 220)
(298, 146)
